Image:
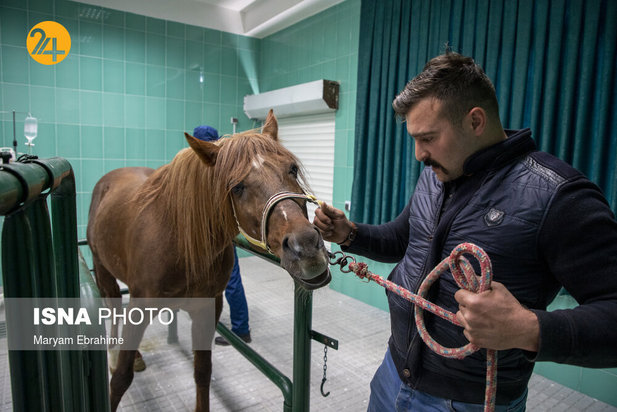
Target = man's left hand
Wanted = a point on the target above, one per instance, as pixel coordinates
(494, 319)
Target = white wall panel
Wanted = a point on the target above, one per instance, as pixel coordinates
(311, 139)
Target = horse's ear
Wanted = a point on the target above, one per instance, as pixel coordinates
(207, 151)
(271, 126)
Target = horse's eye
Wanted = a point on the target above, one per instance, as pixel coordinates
(293, 170)
(238, 189)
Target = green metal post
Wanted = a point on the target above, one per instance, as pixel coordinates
(303, 318)
(27, 391)
(46, 380)
(44, 286)
(96, 379)
(64, 216)
(21, 275)
(265, 367)
(282, 381)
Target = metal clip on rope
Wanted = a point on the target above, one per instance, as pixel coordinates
(341, 261)
(465, 277)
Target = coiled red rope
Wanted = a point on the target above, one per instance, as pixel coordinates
(466, 278)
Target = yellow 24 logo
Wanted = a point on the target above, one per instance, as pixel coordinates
(48, 42)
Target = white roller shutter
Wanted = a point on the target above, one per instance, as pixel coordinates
(311, 139)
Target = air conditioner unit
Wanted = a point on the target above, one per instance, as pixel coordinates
(320, 96)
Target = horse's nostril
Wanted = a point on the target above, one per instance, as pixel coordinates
(291, 245)
(303, 244)
(286, 243)
(318, 240)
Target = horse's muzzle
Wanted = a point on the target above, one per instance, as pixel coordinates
(305, 258)
(316, 282)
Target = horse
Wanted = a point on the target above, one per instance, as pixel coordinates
(168, 232)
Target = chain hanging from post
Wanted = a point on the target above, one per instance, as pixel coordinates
(325, 367)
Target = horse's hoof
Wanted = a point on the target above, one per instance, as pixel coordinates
(139, 364)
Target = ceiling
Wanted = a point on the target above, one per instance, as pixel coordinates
(255, 18)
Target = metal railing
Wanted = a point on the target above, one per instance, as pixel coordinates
(296, 394)
(40, 259)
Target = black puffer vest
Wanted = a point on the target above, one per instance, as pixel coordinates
(499, 204)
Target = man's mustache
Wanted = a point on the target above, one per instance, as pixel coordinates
(432, 163)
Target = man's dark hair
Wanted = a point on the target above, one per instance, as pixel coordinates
(454, 79)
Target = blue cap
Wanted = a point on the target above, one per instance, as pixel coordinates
(206, 133)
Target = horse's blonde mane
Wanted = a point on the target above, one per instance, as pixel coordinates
(195, 198)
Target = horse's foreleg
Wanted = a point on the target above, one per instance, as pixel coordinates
(114, 350)
(203, 374)
(203, 358)
(122, 376)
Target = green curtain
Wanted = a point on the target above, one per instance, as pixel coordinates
(553, 63)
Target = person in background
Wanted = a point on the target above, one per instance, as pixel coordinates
(234, 292)
(542, 223)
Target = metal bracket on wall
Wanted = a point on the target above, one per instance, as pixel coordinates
(326, 340)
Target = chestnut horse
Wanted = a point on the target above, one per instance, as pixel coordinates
(168, 233)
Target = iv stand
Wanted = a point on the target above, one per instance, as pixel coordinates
(14, 131)
(14, 135)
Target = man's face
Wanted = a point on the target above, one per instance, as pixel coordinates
(438, 143)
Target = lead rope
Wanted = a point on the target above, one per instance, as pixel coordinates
(465, 277)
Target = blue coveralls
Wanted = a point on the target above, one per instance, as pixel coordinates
(234, 293)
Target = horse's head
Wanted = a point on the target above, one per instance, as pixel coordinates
(264, 183)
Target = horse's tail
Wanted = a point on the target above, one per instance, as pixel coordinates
(97, 195)
(105, 281)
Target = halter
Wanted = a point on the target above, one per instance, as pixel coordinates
(274, 199)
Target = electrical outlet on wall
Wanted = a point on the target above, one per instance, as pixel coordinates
(348, 205)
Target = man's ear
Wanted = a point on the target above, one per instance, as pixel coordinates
(477, 120)
(271, 126)
(206, 151)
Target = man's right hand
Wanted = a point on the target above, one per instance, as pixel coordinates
(333, 224)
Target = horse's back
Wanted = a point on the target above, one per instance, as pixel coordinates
(118, 184)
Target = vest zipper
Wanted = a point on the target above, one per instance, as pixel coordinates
(417, 287)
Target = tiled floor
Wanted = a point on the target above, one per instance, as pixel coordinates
(362, 332)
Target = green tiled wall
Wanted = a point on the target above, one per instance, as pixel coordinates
(325, 46)
(129, 88)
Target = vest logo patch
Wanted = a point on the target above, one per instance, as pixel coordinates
(494, 217)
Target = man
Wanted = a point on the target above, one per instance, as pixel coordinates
(234, 292)
(542, 223)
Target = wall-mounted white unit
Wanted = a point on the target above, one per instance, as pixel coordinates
(319, 96)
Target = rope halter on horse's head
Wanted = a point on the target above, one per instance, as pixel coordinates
(274, 199)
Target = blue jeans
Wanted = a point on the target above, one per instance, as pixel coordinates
(234, 293)
(389, 393)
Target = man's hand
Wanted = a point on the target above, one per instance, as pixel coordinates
(495, 319)
(332, 222)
